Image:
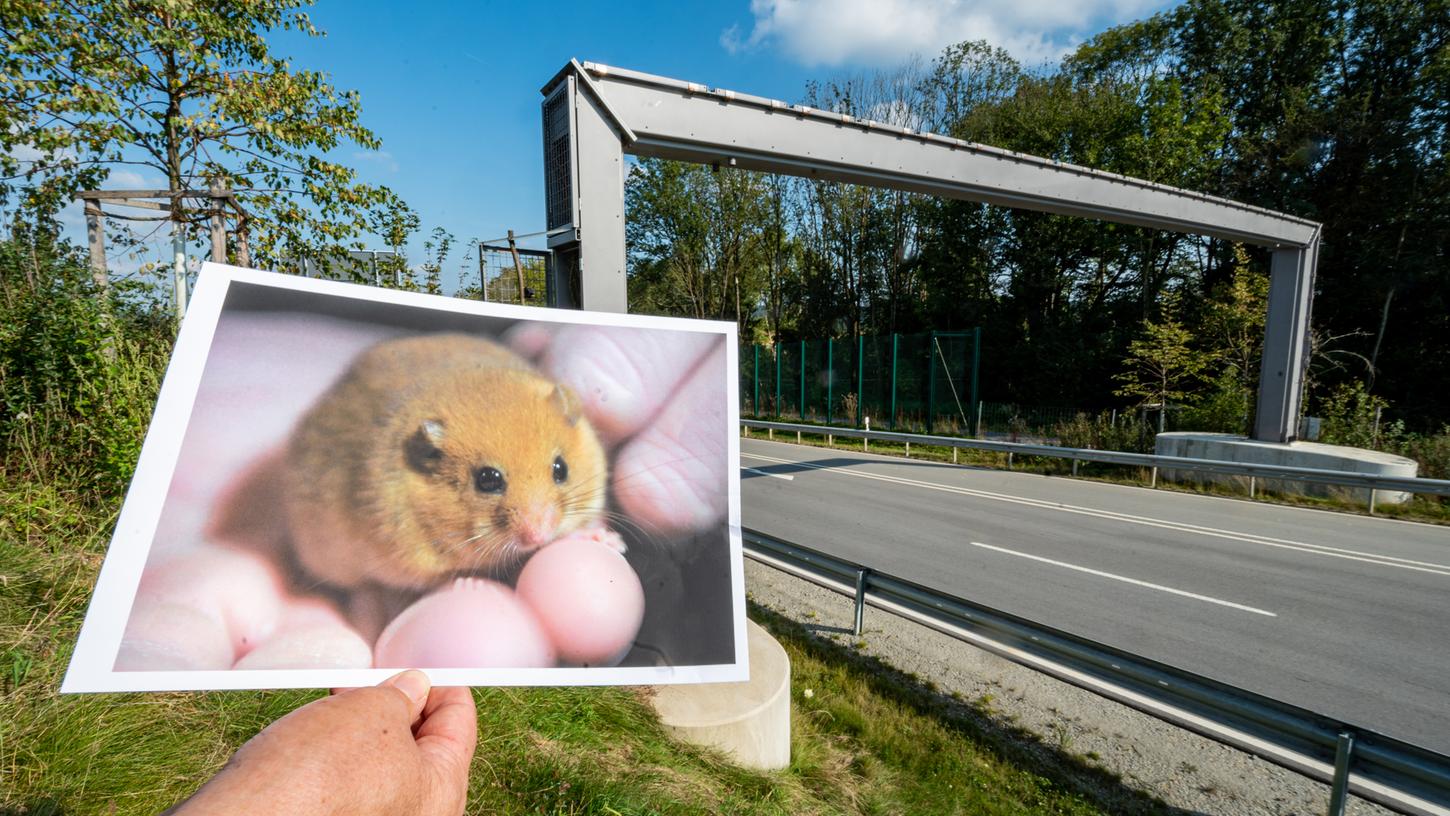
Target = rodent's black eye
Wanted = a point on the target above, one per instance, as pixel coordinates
(489, 480)
(561, 470)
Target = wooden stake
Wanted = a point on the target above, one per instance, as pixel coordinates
(244, 250)
(218, 192)
(96, 238)
(483, 283)
(514, 248)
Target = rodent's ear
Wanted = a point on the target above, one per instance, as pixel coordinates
(421, 450)
(568, 403)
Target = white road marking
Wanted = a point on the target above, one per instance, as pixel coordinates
(1127, 580)
(1183, 527)
(785, 476)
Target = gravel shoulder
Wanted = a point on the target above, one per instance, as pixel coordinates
(1183, 769)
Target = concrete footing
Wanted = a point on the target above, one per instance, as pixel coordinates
(1231, 448)
(750, 720)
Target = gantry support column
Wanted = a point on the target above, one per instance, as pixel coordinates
(584, 184)
(1286, 342)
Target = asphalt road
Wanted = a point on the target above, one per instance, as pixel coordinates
(1345, 615)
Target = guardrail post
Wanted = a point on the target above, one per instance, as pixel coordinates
(1339, 788)
(1253, 485)
(954, 453)
(830, 440)
(862, 576)
(908, 449)
(1153, 480)
(1009, 460)
(1372, 497)
(1074, 467)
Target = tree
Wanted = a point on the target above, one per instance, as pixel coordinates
(192, 91)
(1162, 365)
(695, 239)
(1232, 336)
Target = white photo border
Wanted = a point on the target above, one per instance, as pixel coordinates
(92, 665)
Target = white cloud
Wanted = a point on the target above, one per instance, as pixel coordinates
(123, 179)
(382, 158)
(884, 32)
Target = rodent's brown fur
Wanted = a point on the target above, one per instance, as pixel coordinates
(374, 498)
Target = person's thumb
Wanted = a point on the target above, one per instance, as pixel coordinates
(415, 685)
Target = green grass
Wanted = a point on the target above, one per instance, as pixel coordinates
(866, 740)
(1427, 509)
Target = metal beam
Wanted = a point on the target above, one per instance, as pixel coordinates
(585, 164)
(611, 111)
(686, 121)
(1286, 343)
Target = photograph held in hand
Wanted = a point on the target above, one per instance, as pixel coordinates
(340, 481)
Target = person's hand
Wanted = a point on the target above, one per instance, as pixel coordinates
(391, 749)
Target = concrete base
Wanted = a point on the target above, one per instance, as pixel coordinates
(1231, 448)
(750, 720)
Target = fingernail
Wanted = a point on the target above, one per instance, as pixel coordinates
(413, 683)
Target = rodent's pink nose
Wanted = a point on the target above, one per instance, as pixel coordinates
(537, 526)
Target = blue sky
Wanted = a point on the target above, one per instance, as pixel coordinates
(453, 88)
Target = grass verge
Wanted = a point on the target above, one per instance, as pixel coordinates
(866, 739)
(1426, 509)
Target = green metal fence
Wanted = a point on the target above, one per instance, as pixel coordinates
(906, 382)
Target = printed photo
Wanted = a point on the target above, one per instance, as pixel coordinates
(342, 481)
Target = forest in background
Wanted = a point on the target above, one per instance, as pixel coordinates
(1334, 110)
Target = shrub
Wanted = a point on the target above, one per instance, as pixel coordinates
(1105, 432)
(78, 373)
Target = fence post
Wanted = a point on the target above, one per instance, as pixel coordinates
(802, 406)
(976, 360)
(218, 221)
(892, 423)
(755, 380)
(860, 376)
(96, 240)
(1339, 787)
(777, 381)
(862, 575)
(483, 284)
(830, 379)
(930, 381)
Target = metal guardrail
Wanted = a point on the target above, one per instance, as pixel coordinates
(1342, 478)
(1390, 772)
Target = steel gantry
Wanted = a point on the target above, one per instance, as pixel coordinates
(594, 114)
